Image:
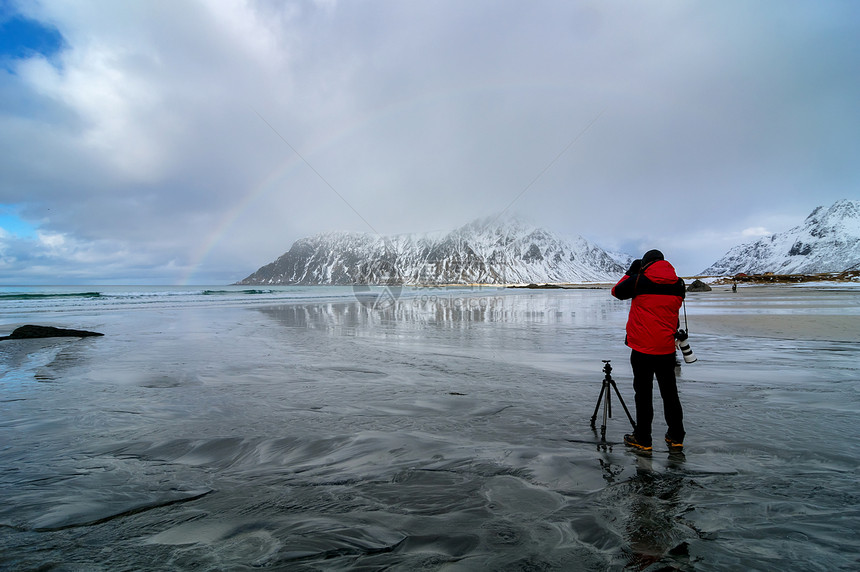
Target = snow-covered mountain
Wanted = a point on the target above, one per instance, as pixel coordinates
(482, 252)
(827, 241)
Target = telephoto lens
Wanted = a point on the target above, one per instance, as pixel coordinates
(684, 346)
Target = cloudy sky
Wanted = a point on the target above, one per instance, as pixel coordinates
(190, 142)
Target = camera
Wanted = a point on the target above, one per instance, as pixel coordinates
(684, 346)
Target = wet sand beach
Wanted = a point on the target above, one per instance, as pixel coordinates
(445, 430)
(787, 312)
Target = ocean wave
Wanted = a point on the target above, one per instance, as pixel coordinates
(45, 295)
(235, 292)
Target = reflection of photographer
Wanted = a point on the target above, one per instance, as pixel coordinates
(657, 294)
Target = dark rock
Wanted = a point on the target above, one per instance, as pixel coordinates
(28, 332)
(534, 286)
(698, 286)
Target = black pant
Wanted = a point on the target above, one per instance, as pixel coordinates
(645, 367)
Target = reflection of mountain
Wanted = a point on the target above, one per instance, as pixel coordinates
(453, 308)
(827, 241)
(483, 252)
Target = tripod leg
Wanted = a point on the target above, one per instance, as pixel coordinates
(607, 412)
(608, 403)
(621, 399)
(603, 389)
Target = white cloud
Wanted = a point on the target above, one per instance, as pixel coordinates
(53, 242)
(755, 232)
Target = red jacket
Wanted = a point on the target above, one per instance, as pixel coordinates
(657, 294)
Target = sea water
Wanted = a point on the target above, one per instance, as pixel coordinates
(231, 428)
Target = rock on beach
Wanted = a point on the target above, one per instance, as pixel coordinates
(30, 332)
(698, 286)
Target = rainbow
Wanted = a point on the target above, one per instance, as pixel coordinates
(292, 161)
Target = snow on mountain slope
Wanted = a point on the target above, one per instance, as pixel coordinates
(827, 241)
(484, 251)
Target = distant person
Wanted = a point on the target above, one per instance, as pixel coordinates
(735, 287)
(656, 293)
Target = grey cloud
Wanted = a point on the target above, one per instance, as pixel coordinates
(145, 132)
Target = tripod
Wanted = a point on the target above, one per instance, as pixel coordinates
(605, 398)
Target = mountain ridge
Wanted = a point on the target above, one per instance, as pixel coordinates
(827, 241)
(484, 251)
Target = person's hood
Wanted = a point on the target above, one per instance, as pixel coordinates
(661, 272)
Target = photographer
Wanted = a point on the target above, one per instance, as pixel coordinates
(656, 293)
